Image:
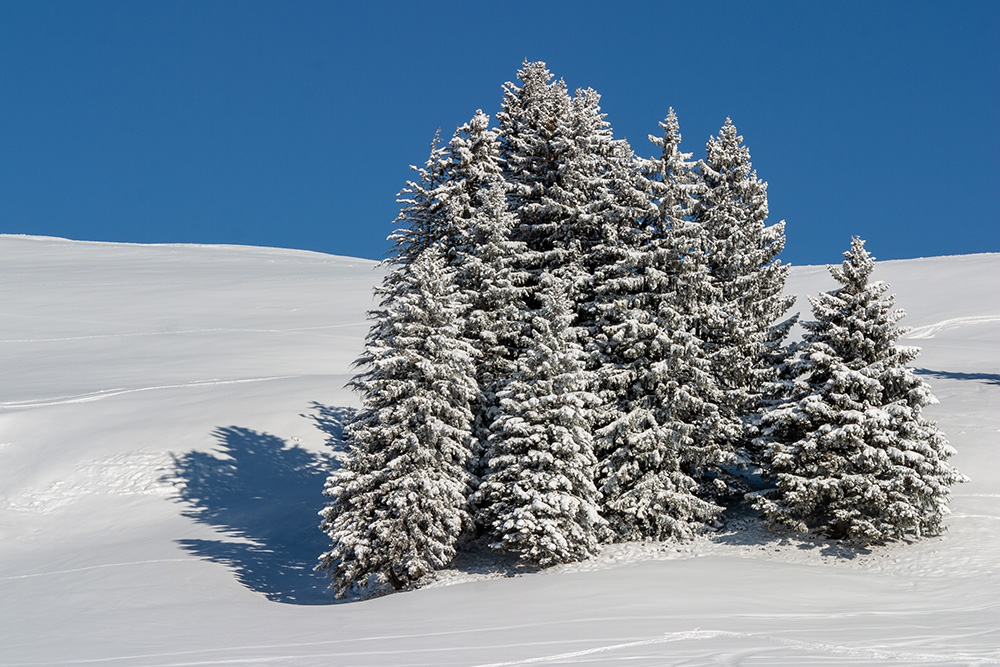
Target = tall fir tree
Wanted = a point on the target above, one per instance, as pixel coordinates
(569, 177)
(459, 204)
(495, 288)
(536, 145)
(741, 326)
(478, 223)
(437, 209)
(851, 454)
(471, 165)
(537, 497)
(661, 437)
(399, 504)
(571, 187)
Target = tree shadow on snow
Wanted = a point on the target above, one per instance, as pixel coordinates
(988, 378)
(264, 495)
(478, 559)
(743, 527)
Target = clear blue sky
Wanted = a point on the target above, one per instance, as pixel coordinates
(293, 123)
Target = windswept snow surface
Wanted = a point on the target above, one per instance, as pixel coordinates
(164, 416)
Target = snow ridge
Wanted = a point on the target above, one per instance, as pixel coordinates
(931, 330)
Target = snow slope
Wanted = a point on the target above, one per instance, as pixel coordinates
(164, 412)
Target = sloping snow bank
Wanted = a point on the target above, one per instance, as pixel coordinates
(164, 417)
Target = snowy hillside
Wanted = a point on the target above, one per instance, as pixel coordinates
(164, 413)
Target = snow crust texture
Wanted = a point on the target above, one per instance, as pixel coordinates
(169, 415)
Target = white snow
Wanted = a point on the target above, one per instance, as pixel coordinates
(163, 417)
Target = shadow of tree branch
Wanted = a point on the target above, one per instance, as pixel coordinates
(988, 378)
(743, 527)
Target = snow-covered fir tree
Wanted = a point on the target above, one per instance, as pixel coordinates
(660, 431)
(851, 454)
(459, 204)
(478, 223)
(740, 326)
(535, 127)
(660, 437)
(470, 165)
(537, 498)
(671, 180)
(574, 189)
(568, 175)
(494, 286)
(399, 504)
(438, 207)
(418, 225)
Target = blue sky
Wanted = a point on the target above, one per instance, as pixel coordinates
(293, 124)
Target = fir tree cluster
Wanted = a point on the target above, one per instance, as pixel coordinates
(575, 345)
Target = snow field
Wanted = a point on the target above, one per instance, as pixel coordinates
(161, 458)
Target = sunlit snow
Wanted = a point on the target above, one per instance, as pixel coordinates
(165, 413)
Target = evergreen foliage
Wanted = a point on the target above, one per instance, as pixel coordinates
(535, 127)
(672, 181)
(538, 497)
(460, 206)
(470, 167)
(400, 502)
(569, 177)
(485, 258)
(597, 338)
(573, 187)
(852, 455)
(494, 287)
(418, 225)
(739, 324)
(659, 428)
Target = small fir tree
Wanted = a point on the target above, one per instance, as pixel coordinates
(538, 498)
(399, 504)
(851, 454)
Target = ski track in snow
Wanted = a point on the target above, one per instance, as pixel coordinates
(191, 659)
(183, 332)
(98, 567)
(812, 647)
(108, 393)
(329, 642)
(932, 330)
